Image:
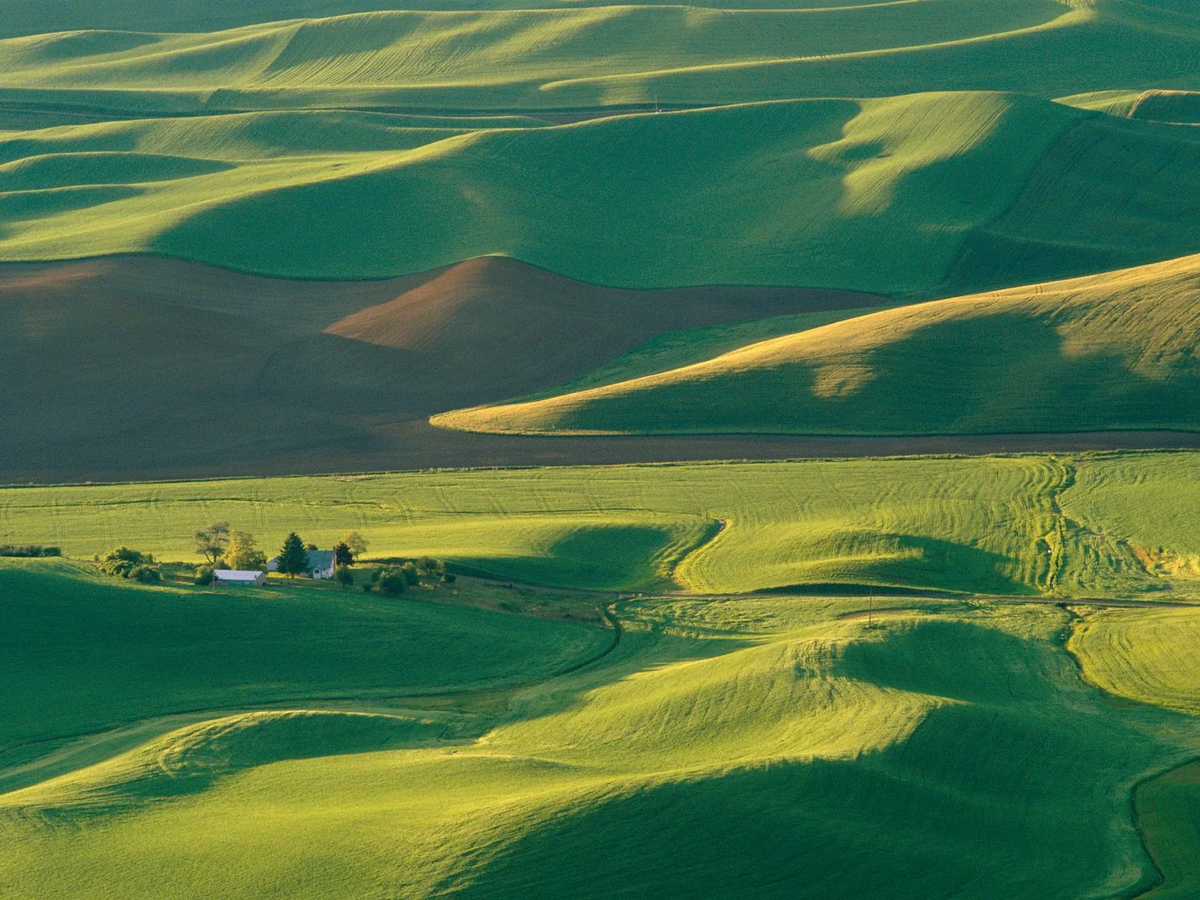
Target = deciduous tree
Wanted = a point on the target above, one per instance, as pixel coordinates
(243, 552)
(212, 541)
(356, 543)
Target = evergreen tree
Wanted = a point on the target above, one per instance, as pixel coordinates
(293, 559)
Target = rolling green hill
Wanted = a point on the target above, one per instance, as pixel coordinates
(766, 747)
(108, 655)
(249, 237)
(902, 196)
(587, 56)
(1104, 352)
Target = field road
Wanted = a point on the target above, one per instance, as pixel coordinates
(413, 445)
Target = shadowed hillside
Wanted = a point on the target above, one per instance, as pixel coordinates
(1108, 351)
(152, 364)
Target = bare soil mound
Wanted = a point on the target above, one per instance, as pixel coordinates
(496, 326)
(150, 367)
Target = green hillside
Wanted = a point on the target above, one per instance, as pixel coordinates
(764, 747)
(765, 378)
(92, 655)
(1113, 351)
(907, 195)
(1025, 525)
(585, 56)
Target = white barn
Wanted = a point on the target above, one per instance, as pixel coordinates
(240, 576)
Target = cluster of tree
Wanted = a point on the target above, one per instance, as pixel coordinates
(125, 563)
(229, 548)
(392, 581)
(226, 547)
(29, 550)
(350, 549)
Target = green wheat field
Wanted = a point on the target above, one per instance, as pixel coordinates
(759, 442)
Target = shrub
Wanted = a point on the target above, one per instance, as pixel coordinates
(29, 550)
(410, 573)
(372, 580)
(392, 582)
(343, 576)
(429, 566)
(145, 574)
(204, 575)
(449, 578)
(122, 561)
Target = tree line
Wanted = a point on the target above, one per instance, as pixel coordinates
(225, 547)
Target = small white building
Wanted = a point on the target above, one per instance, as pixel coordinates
(321, 564)
(240, 576)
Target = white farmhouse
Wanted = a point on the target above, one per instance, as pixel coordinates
(321, 564)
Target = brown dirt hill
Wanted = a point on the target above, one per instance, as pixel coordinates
(149, 367)
(497, 326)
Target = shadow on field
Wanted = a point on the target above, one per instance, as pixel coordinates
(1006, 791)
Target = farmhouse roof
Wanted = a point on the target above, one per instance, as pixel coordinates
(320, 559)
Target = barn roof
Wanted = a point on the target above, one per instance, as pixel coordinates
(237, 574)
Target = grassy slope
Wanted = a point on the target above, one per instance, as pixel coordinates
(29, 17)
(682, 348)
(1106, 44)
(1169, 811)
(607, 202)
(884, 195)
(987, 524)
(1152, 506)
(1150, 656)
(1105, 352)
(583, 57)
(759, 748)
(83, 652)
(1145, 655)
(477, 59)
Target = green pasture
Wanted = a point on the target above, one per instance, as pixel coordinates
(1001, 525)
(762, 747)
(1108, 352)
